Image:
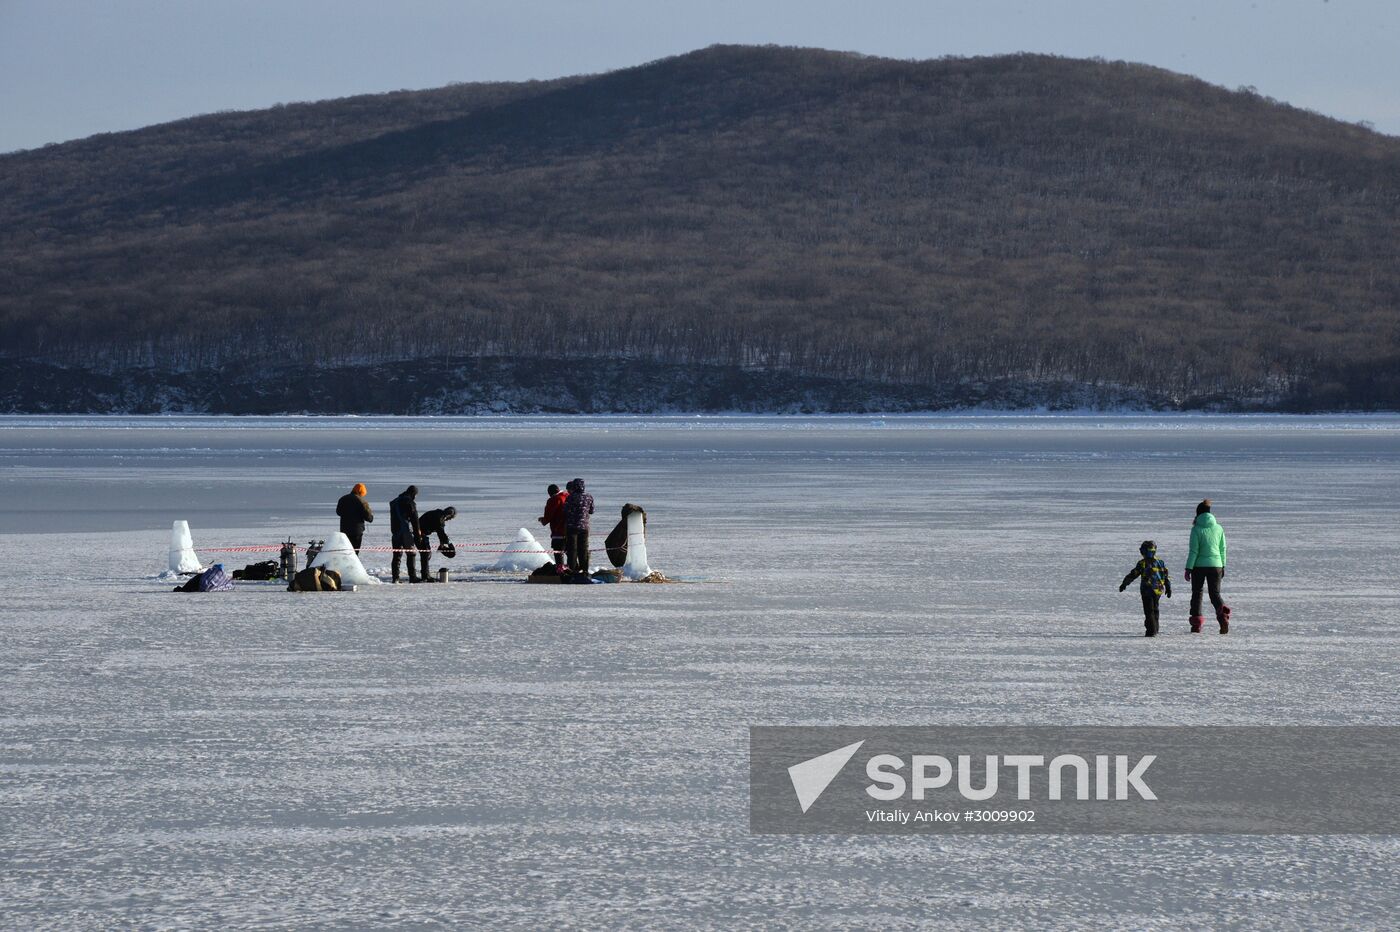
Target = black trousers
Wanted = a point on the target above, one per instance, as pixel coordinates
(425, 552)
(1151, 603)
(558, 545)
(576, 546)
(426, 547)
(1207, 577)
(356, 538)
(402, 549)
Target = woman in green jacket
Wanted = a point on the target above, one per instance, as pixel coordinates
(1205, 567)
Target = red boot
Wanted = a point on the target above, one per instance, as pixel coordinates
(1223, 616)
(1196, 622)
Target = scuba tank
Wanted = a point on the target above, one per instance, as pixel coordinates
(287, 561)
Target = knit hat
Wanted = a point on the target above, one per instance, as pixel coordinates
(359, 489)
(1203, 507)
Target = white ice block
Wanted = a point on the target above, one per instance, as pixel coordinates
(182, 555)
(526, 554)
(636, 566)
(338, 555)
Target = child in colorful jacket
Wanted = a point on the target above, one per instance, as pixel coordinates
(1156, 582)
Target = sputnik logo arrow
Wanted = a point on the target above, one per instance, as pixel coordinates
(811, 777)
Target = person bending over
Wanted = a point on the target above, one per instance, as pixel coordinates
(433, 522)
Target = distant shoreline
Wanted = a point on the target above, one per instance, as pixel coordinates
(499, 386)
(940, 420)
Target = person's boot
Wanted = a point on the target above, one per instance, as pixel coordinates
(1152, 628)
(1196, 622)
(1223, 616)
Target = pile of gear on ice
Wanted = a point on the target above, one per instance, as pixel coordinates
(333, 564)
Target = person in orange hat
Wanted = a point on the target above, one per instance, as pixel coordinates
(354, 512)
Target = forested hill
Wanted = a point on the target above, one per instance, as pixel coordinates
(785, 227)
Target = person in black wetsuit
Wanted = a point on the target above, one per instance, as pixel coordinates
(433, 522)
(403, 524)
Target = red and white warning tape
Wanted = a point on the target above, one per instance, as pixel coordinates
(469, 548)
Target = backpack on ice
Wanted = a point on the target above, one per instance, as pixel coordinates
(315, 579)
(259, 572)
(213, 579)
(547, 573)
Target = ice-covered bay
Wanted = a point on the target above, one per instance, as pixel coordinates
(491, 752)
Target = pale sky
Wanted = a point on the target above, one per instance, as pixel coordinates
(71, 68)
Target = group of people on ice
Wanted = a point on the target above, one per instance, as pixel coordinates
(1205, 568)
(566, 513)
(408, 530)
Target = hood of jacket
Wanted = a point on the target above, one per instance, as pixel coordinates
(1205, 520)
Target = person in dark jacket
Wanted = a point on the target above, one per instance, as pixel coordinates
(354, 513)
(577, 509)
(1156, 581)
(554, 517)
(403, 525)
(433, 522)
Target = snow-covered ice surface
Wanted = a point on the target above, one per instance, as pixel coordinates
(488, 752)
